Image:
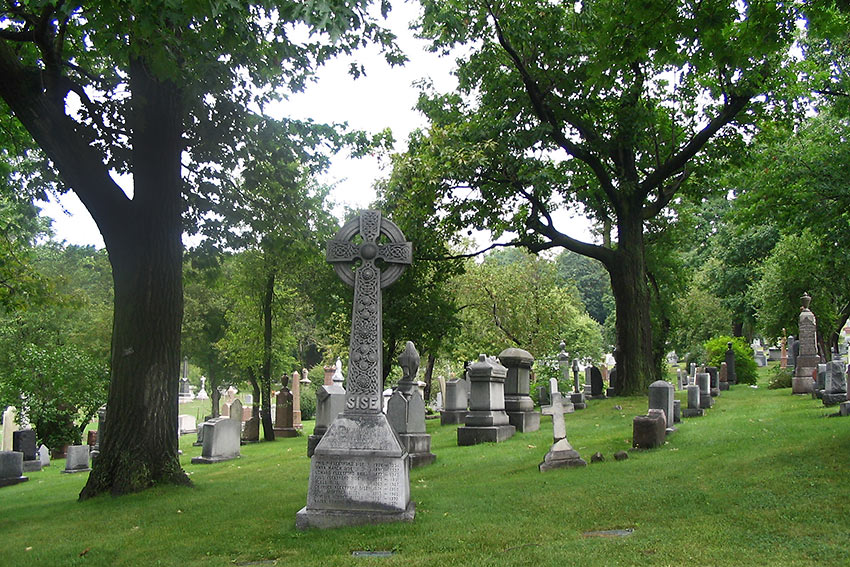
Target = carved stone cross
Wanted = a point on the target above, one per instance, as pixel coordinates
(358, 240)
(556, 410)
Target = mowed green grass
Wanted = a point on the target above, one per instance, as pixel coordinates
(760, 480)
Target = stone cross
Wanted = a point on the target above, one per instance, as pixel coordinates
(556, 410)
(363, 394)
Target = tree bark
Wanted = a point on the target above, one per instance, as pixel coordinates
(266, 376)
(635, 368)
(140, 448)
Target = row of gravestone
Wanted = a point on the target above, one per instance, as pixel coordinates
(703, 386)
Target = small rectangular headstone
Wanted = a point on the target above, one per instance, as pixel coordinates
(77, 459)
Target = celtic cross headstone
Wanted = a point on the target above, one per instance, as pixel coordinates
(360, 471)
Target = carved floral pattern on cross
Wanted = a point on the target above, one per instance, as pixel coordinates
(364, 376)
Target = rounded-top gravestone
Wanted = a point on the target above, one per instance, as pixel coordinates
(661, 394)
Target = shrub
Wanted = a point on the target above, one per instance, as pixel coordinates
(308, 403)
(745, 364)
(779, 378)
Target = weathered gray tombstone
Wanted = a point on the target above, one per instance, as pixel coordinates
(406, 411)
(679, 379)
(486, 421)
(456, 403)
(693, 409)
(23, 441)
(360, 471)
(577, 397)
(11, 468)
(561, 453)
(807, 360)
(649, 431)
(835, 390)
(704, 383)
(611, 391)
(714, 380)
(77, 459)
(251, 430)
(820, 382)
(793, 351)
(773, 354)
(221, 440)
(661, 396)
(330, 402)
(677, 411)
(759, 356)
(185, 424)
(543, 396)
(237, 412)
(518, 403)
(597, 386)
(44, 456)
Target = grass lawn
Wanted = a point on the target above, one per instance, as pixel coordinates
(757, 481)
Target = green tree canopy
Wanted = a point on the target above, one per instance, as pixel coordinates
(601, 105)
(159, 90)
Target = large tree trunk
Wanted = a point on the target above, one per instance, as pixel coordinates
(266, 377)
(140, 448)
(635, 368)
(215, 395)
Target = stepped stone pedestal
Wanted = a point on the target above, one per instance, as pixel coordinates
(486, 421)
(518, 403)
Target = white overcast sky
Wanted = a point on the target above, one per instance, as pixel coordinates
(385, 97)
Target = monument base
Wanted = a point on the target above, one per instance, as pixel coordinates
(324, 519)
(844, 409)
(693, 412)
(828, 400)
(610, 392)
(286, 432)
(705, 402)
(13, 480)
(418, 446)
(524, 421)
(211, 460)
(561, 455)
(473, 435)
(802, 385)
(452, 417)
(72, 471)
(360, 474)
(35, 465)
(724, 386)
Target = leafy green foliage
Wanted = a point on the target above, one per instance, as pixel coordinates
(54, 351)
(599, 106)
(779, 378)
(746, 371)
(513, 299)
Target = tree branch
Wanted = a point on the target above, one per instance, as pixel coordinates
(80, 165)
(545, 115)
(678, 161)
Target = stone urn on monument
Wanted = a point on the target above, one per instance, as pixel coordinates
(360, 471)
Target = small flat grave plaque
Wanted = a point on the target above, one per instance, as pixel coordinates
(609, 533)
